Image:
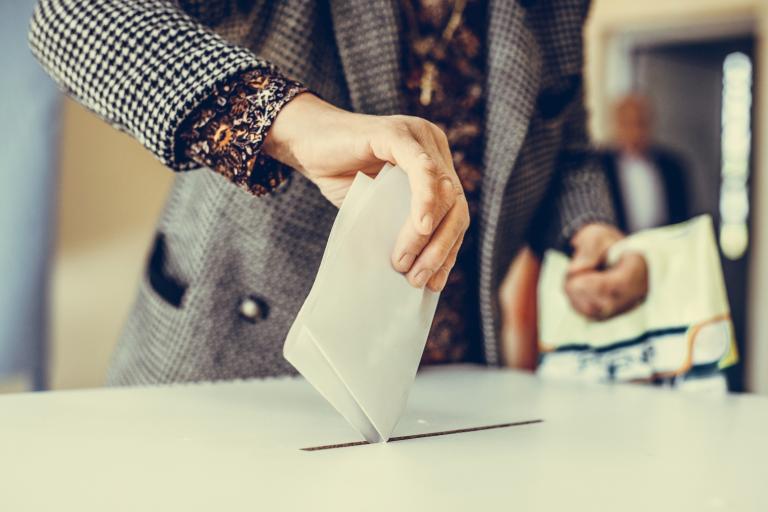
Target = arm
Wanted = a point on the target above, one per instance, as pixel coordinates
(583, 222)
(142, 65)
(145, 67)
(579, 194)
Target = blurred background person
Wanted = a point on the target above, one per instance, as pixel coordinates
(647, 180)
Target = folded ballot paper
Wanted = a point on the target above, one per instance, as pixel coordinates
(360, 334)
(684, 324)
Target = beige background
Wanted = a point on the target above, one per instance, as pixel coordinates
(111, 191)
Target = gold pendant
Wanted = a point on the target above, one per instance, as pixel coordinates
(428, 76)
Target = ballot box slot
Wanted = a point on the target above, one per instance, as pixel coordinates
(425, 434)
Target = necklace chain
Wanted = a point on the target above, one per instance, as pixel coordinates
(429, 71)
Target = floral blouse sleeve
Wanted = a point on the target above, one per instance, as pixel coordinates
(227, 130)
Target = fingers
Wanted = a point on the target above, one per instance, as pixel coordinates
(631, 277)
(591, 245)
(601, 295)
(430, 189)
(592, 295)
(409, 143)
(409, 245)
(587, 259)
(439, 279)
(430, 239)
(446, 241)
(589, 256)
(430, 259)
(593, 292)
(440, 141)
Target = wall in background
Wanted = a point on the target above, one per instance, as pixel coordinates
(111, 191)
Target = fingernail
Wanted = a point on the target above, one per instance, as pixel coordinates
(405, 261)
(441, 281)
(422, 277)
(426, 223)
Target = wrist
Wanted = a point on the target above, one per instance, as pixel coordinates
(594, 230)
(291, 126)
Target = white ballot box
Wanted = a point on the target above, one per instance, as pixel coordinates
(238, 446)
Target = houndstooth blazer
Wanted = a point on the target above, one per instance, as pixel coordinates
(228, 271)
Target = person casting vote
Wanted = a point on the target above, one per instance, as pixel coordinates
(281, 103)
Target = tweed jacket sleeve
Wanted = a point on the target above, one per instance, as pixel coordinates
(142, 65)
(580, 194)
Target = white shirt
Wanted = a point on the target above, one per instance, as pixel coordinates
(643, 193)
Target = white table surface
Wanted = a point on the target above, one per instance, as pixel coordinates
(235, 446)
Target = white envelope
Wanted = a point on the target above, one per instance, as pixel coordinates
(360, 334)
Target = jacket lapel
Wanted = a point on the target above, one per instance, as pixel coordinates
(513, 70)
(367, 35)
(513, 79)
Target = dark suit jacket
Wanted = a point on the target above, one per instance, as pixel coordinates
(672, 170)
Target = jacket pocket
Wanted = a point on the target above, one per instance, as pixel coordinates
(167, 287)
(152, 342)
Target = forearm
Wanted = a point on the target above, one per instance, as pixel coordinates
(579, 195)
(144, 66)
(584, 199)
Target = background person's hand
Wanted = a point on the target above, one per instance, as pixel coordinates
(599, 292)
(329, 146)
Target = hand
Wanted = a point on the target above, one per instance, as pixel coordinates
(600, 293)
(329, 146)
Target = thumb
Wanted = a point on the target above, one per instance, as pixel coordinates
(586, 257)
